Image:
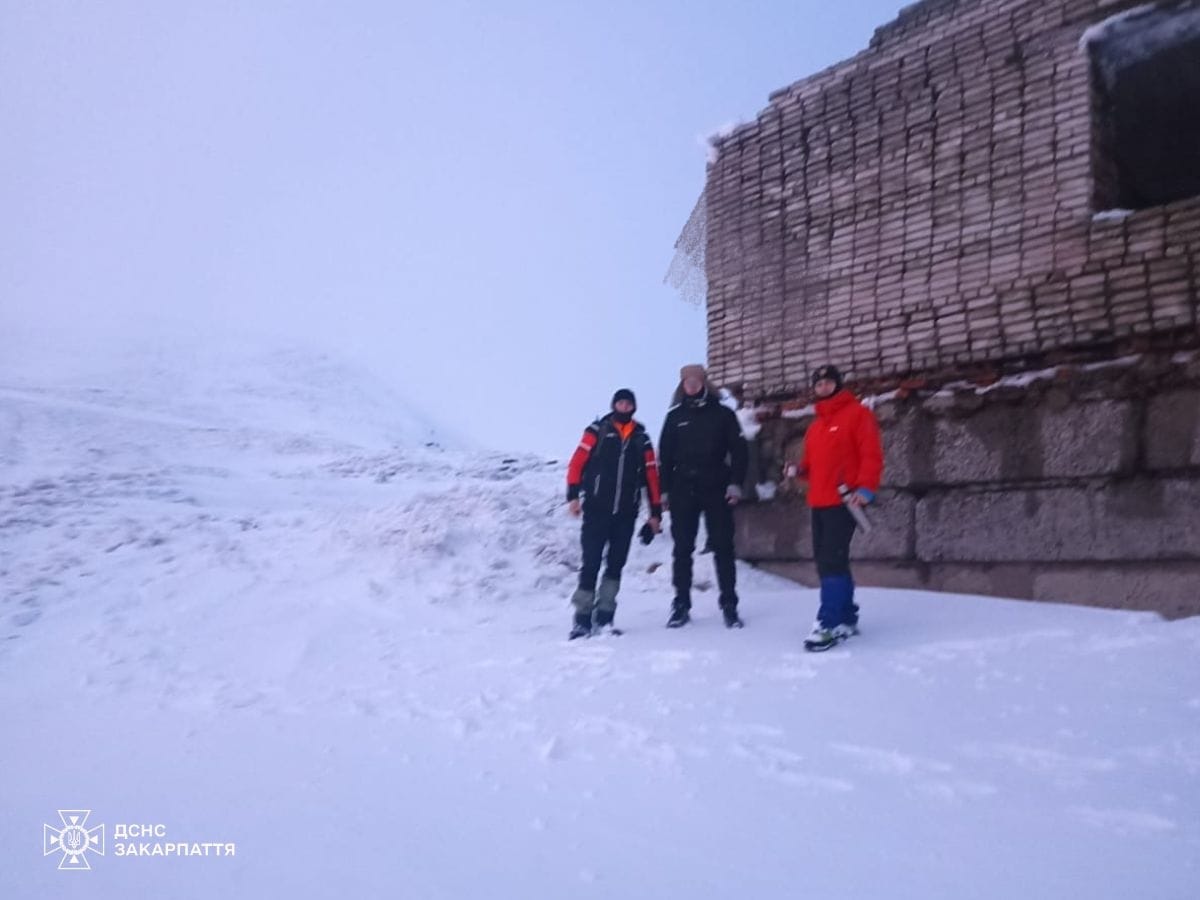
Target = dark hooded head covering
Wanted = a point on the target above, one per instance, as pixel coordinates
(623, 394)
(832, 373)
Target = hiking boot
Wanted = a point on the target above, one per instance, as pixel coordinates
(823, 638)
(602, 623)
(582, 626)
(820, 638)
(679, 616)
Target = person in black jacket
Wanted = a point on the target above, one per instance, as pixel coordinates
(605, 478)
(702, 466)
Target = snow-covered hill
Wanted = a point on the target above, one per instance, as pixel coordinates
(254, 599)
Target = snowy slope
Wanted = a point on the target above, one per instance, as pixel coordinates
(249, 603)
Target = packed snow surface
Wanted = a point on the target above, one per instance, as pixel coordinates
(254, 605)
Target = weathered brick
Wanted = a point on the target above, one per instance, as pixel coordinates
(844, 179)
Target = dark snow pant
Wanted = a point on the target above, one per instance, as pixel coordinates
(687, 505)
(601, 529)
(832, 529)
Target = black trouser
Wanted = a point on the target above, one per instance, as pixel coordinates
(832, 529)
(687, 505)
(600, 529)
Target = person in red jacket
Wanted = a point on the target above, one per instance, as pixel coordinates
(611, 468)
(841, 449)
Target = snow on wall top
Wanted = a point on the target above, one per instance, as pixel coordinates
(1133, 35)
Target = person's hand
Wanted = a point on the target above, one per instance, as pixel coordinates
(655, 524)
(733, 494)
(574, 507)
(860, 498)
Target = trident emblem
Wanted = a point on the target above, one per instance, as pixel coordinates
(74, 839)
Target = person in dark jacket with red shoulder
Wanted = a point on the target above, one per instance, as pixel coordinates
(842, 463)
(610, 468)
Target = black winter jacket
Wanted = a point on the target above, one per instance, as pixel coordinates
(702, 447)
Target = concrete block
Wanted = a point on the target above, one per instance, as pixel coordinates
(775, 530)
(1172, 435)
(907, 438)
(1000, 442)
(1023, 442)
(1089, 439)
(1144, 519)
(1169, 588)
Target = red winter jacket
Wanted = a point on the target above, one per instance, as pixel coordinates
(841, 447)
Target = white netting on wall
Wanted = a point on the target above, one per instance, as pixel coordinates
(686, 273)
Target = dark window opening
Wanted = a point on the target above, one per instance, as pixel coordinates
(1146, 126)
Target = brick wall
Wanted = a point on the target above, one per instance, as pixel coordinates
(930, 203)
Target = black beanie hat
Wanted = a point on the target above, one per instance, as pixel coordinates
(830, 372)
(624, 394)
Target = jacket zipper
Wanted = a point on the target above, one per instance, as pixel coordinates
(620, 476)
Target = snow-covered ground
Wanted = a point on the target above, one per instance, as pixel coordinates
(246, 601)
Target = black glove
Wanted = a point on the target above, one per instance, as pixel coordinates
(646, 535)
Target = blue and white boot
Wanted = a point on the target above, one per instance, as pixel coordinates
(822, 638)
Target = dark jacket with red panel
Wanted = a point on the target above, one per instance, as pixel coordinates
(611, 466)
(841, 447)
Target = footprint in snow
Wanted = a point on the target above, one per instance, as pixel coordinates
(787, 767)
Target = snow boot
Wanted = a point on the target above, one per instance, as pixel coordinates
(679, 616)
(582, 600)
(582, 626)
(823, 638)
(602, 622)
(729, 604)
(820, 639)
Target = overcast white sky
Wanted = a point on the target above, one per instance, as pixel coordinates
(478, 199)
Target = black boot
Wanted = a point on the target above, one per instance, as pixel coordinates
(679, 616)
(732, 620)
(582, 626)
(603, 623)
